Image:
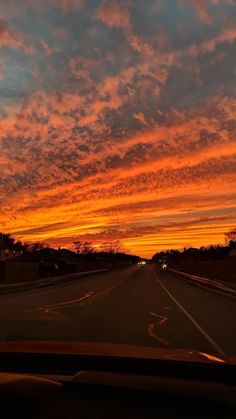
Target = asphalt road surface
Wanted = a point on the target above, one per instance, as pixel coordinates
(137, 305)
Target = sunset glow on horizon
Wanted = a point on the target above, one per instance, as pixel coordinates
(118, 122)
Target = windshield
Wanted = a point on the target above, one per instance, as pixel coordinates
(118, 175)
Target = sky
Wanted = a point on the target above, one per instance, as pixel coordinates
(118, 122)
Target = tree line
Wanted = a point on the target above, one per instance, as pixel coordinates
(209, 253)
(79, 247)
(8, 241)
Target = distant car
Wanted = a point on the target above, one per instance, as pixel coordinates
(163, 267)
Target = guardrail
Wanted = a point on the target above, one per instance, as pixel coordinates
(211, 284)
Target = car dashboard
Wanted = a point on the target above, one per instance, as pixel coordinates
(109, 389)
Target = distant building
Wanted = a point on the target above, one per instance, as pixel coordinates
(6, 253)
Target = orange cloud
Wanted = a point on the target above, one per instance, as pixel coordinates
(201, 8)
(71, 5)
(46, 47)
(128, 137)
(8, 37)
(114, 15)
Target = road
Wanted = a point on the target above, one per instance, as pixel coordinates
(137, 305)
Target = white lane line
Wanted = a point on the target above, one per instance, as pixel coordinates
(201, 330)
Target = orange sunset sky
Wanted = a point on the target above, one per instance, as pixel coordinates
(118, 121)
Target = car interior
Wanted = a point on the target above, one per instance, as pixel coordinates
(72, 386)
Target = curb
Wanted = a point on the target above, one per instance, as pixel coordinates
(206, 283)
(53, 280)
